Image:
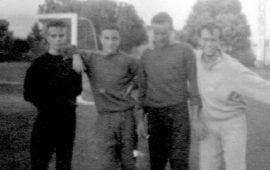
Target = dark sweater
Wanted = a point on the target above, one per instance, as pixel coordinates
(164, 74)
(110, 76)
(50, 81)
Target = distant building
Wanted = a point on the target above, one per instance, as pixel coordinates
(262, 48)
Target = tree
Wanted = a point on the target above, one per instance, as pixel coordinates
(35, 36)
(103, 12)
(100, 12)
(131, 27)
(228, 15)
(6, 36)
(36, 42)
(6, 41)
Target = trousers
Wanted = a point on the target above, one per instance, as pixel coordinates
(116, 140)
(53, 131)
(169, 141)
(225, 142)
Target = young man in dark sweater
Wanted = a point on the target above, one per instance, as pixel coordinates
(52, 86)
(167, 81)
(112, 77)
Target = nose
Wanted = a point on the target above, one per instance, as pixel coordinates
(159, 37)
(208, 43)
(111, 43)
(57, 38)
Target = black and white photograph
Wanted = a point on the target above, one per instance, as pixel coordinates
(134, 85)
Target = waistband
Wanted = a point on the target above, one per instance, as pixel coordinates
(116, 111)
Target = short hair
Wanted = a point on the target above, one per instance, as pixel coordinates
(211, 27)
(53, 23)
(56, 23)
(161, 18)
(110, 27)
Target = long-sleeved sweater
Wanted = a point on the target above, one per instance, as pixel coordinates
(224, 86)
(164, 76)
(110, 76)
(50, 81)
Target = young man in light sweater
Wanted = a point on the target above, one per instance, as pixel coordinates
(224, 84)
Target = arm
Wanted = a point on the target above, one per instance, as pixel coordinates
(198, 125)
(32, 84)
(77, 63)
(141, 123)
(77, 83)
(142, 83)
(78, 59)
(249, 84)
(140, 115)
(133, 70)
(191, 70)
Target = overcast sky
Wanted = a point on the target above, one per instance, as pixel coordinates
(22, 13)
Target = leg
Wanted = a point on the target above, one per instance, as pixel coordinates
(128, 141)
(210, 148)
(42, 142)
(180, 139)
(65, 138)
(234, 138)
(107, 141)
(159, 137)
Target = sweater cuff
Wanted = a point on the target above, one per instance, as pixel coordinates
(195, 101)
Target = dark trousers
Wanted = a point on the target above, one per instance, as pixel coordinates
(169, 130)
(116, 140)
(54, 131)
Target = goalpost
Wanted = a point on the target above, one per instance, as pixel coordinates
(82, 34)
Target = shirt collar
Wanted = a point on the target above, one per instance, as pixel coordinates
(210, 63)
(171, 43)
(56, 57)
(111, 54)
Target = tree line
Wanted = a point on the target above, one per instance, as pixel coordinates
(227, 13)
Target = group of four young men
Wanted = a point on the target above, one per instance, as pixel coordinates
(168, 75)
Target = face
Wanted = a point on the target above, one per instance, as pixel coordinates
(162, 34)
(210, 42)
(56, 37)
(110, 40)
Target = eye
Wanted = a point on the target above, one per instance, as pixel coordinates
(61, 35)
(53, 35)
(115, 38)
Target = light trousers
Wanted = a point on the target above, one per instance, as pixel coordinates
(225, 143)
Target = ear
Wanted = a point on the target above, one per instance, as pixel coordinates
(198, 40)
(100, 38)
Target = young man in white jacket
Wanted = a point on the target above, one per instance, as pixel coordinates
(224, 84)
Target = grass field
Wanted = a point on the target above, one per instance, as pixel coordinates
(17, 116)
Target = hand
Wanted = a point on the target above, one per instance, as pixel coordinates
(200, 129)
(68, 51)
(77, 63)
(127, 91)
(141, 130)
(198, 125)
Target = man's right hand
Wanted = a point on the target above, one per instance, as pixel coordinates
(198, 124)
(141, 130)
(200, 129)
(141, 124)
(77, 63)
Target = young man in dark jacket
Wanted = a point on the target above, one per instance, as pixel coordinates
(52, 86)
